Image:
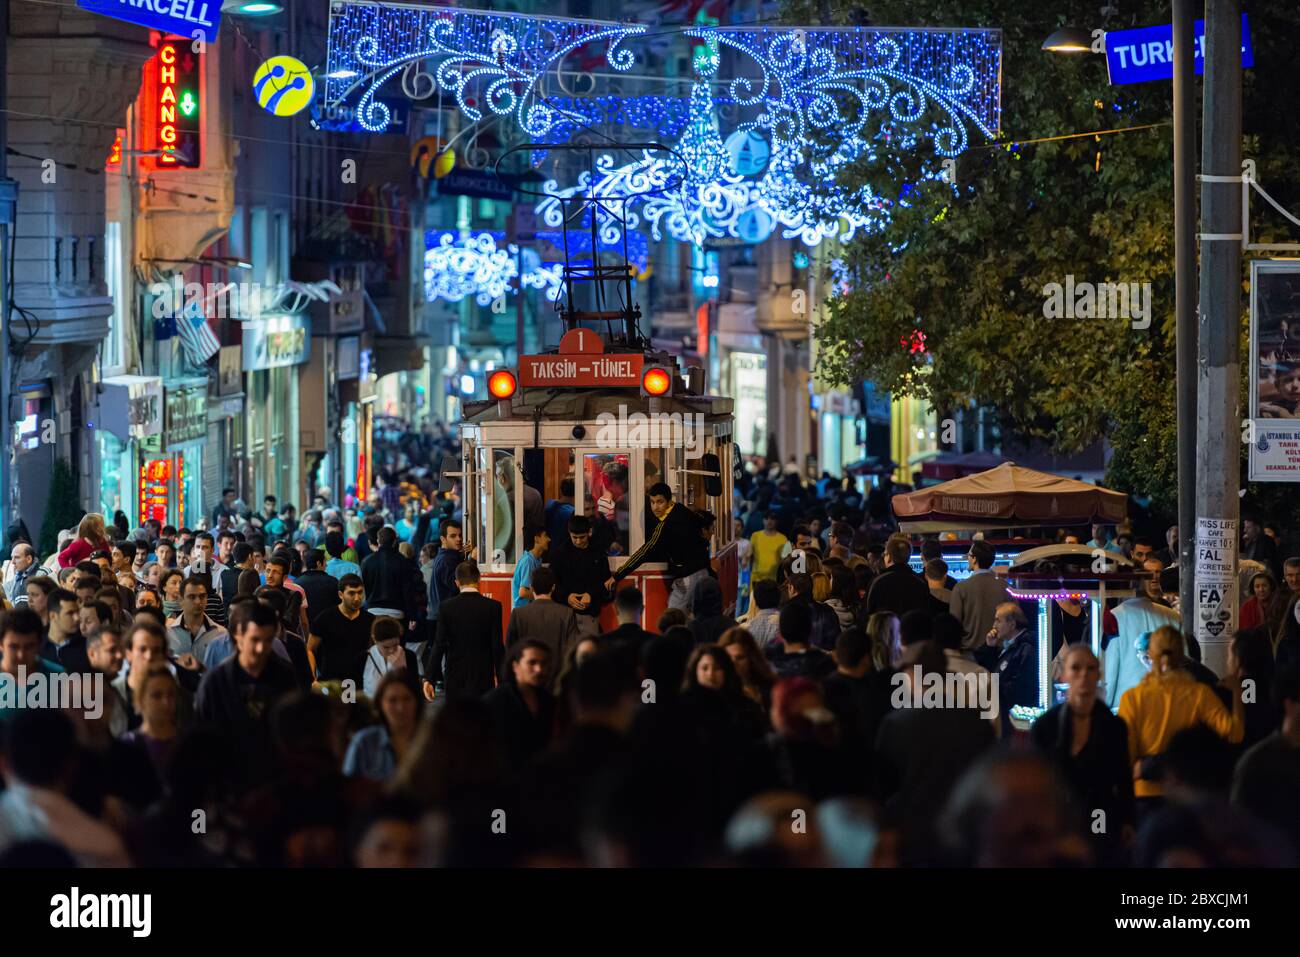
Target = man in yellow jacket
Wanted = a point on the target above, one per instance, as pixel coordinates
(1169, 700)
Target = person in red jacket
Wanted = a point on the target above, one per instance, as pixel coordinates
(91, 537)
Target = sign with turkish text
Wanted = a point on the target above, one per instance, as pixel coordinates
(577, 371)
(193, 19)
(1216, 578)
(1273, 431)
(1147, 53)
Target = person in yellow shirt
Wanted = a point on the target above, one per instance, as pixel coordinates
(769, 547)
(1168, 700)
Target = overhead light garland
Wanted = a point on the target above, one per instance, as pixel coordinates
(812, 102)
(484, 59)
(457, 266)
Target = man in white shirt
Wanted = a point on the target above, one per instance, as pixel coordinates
(1135, 617)
(192, 630)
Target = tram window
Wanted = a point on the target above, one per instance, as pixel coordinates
(606, 480)
(505, 474)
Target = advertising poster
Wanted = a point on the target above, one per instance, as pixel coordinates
(1274, 428)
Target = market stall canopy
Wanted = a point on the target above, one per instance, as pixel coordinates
(951, 465)
(1005, 497)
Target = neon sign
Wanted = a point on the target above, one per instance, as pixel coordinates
(155, 486)
(175, 108)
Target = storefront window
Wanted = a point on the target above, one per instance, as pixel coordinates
(749, 380)
(115, 460)
(190, 464)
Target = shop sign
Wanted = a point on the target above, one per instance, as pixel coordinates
(272, 342)
(349, 357)
(132, 406)
(229, 372)
(185, 18)
(186, 414)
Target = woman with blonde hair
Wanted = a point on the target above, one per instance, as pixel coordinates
(91, 538)
(1169, 699)
(882, 629)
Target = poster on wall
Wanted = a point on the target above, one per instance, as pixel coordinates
(1273, 431)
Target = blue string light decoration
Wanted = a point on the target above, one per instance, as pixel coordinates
(483, 59)
(803, 106)
(484, 266)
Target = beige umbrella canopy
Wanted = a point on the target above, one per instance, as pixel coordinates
(1008, 496)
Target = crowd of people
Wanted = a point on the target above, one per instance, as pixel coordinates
(341, 691)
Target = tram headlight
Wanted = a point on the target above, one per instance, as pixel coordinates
(501, 384)
(656, 381)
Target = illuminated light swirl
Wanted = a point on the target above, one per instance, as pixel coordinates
(508, 53)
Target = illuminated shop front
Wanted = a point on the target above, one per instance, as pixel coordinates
(273, 347)
(130, 416)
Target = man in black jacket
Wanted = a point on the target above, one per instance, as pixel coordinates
(677, 540)
(629, 605)
(1011, 653)
(522, 705)
(442, 583)
(322, 589)
(581, 575)
(468, 639)
(898, 588)
(237, 695)
(386, 573)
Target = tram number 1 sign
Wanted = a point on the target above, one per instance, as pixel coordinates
(581, 370)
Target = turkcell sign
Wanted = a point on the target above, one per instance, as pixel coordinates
(1147, 53)
(183, 18)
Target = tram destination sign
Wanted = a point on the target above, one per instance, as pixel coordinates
(581, 370)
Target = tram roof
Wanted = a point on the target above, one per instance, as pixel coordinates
(568, 405)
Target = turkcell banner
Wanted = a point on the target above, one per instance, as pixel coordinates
(184, 18)
(1147, 53)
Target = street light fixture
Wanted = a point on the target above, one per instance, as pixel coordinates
(1069, 40)
(251, 8)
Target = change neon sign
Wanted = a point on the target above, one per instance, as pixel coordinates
(175, 108)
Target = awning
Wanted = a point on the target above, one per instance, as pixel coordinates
(1008, 496)
(399, 353)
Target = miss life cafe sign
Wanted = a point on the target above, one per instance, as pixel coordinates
(192, 19)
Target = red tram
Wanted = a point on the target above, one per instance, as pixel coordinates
(614, 423)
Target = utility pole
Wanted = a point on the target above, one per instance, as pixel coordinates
(1185, 304)
(8, 223)
(1218, 432)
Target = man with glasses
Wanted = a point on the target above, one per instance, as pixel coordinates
(975, 599)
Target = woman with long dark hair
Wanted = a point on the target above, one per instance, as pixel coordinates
(377, 751)
(756, 675)
(710, 669)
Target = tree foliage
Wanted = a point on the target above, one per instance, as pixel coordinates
(968, 266)
(61, 509)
